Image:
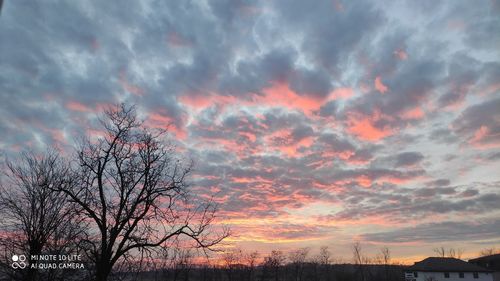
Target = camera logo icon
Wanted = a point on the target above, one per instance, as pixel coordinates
(18, 261)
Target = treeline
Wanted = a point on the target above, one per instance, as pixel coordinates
(296, 265)
(309, 272)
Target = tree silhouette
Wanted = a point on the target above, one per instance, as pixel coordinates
(132, 187)
(36, 219)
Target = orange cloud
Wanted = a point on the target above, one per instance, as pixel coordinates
(364, 181)
(363, 127)
(280, 94)
(282, 141)
(380, 86)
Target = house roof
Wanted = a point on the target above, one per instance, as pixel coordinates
(435, 264)
(489, 258)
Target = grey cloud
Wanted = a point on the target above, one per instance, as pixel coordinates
(330, 35)
(328, 109)
(432, 192)
(314, 83)
(439, 232)
(440, 182)
(443, 135)
(463, 73)
(302, 131)
(335, 143)
(483, 34)
(483, 116)
(398, 204)
(408, 158)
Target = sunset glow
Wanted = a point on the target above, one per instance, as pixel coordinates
(310, 123)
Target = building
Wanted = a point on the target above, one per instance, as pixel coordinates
(491, 262)
(446, 269)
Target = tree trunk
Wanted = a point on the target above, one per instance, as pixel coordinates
(35, 250)
(102, 272)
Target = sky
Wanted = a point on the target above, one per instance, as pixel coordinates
(311, 123)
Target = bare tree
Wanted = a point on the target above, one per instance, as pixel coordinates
(297, 259)
(181, 262)
(441, 252)
(359, 260)
(132, 187)
(232, 260)
(251, 262)
(273, 262)
(325, 256)
(450, 253)
(35, 219)
(322, 263)
(385, 255)
(489, 252)
(456, 253)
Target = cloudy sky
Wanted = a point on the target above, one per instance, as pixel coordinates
(313, 122)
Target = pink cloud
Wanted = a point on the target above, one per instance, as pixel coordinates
(341, 93)
(131, 88)
(94, 45)
(283, 142)
(479, 140)
(489, 89)
(363, 126)
(401, 54)
(76, 106)
(175, 39)
(415, 113)
(163, 121)
(380, 86)
(338, 5)
(280, 94)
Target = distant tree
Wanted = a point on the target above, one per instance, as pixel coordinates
(297, 259)
(181, 263)
(359, 260)
(385, 258)
(325, 256)
(489, 252)
(322, 264)
(386, 255)
(441, 252)
(450, 253)
(250, 264)
(232, 260)
(272, 263)
(35, 219)
(131, 185)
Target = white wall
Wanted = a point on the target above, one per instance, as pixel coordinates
(439, 276)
